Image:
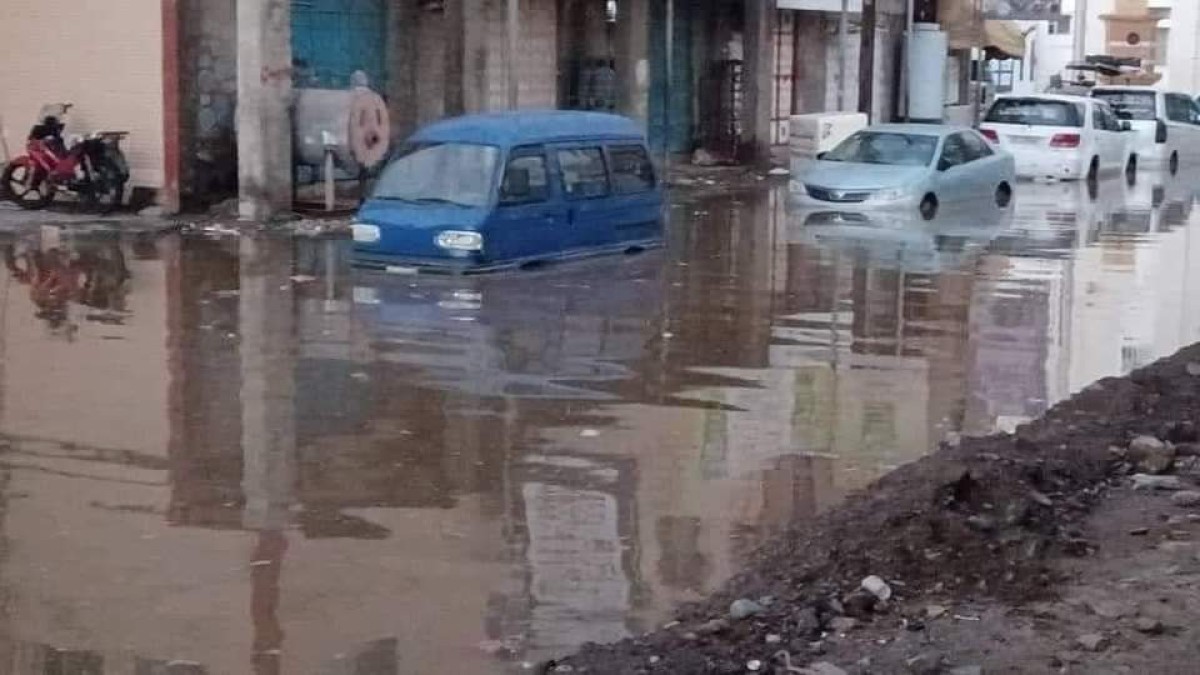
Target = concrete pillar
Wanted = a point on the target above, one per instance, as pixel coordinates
(403, 61)
(264, 126)
(758, 81)
(809, 75)
(466, 56)
(633, 58)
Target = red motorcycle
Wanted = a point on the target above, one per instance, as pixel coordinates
(92, 167)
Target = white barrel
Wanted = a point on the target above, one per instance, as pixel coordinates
(929, 47)
(354, 123)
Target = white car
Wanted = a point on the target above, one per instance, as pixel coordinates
(907, 168)
(1167, 123)
(1061, 137)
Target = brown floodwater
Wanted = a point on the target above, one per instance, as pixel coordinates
(231, 455)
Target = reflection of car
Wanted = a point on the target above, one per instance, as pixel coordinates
(1064, 137)
(489, 191)
(910, 243)
(1167, 124)
(907, 167)
(541, 334)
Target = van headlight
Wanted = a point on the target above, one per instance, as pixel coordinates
(456, 240)
(365, 233)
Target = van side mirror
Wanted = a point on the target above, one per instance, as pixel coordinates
(516, 185)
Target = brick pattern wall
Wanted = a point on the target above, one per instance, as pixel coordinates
(105, 57)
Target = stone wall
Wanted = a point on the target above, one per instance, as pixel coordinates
(208, 88)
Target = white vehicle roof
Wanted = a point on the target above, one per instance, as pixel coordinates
(1060, 98)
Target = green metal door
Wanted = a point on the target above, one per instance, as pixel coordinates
(333, 38)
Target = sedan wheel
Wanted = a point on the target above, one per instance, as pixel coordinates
(1003, 195)
(929, 207)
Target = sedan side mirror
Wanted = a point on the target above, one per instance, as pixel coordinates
(944, 165)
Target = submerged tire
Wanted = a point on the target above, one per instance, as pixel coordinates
(929, 207)
(1004, 195)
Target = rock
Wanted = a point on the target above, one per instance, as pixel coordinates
(1039, 498)
(712, 627)
(924, 664)
(1186, 499)
(1093, 642)
(1108, 609)
(1148, 626)
(1151, 455)
(654, 659)
(1187, 450)
(843, 624)
(877, 587)
(982, 523)
(966, 670)
(703, 157)
(1193, 368)
(935, 612)
(744, 608)
(1143, 481)
(754, 665)
(773, 639)
(860, 603)
(822, 668)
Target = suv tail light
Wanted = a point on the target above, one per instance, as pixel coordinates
(1160, 131)
(991, 135)
(1065, 141)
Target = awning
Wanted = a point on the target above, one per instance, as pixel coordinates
(1003, 40)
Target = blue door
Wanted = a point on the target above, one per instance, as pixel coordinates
(333, 38)
(671, 105)
(636, 204)
(583, 170)
(530, 220)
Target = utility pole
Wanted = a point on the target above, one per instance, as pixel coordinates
(866, 60)
(514, 85)
(670, 68)
(1080, 29)
(264, 119)
(843, 46)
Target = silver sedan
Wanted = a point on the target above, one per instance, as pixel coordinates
(908, 168)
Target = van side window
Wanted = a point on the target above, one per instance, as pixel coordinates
(632, 171)
(526, 180)
(583, 172)
(1179, 109)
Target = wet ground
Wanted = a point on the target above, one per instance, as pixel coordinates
(238, 455)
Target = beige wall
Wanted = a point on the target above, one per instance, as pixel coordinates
(105, 56)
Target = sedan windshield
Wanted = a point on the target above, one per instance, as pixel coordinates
(881, 147)
(1130, 105)
(1035, 112)
(461, 174)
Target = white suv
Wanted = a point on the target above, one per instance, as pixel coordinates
(1167, 123)
(1061, 137)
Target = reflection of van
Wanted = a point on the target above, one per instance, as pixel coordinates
(506, 189)
(1167, 123)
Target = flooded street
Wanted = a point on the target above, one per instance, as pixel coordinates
(229, 456)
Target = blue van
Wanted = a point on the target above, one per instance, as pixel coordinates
(500, 190)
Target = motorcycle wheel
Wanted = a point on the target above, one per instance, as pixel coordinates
(107, 190)
(21, 185)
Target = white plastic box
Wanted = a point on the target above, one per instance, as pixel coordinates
(815, 133)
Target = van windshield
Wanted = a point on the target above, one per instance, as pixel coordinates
(1129, 105)
(461, 174)
(1035, 112)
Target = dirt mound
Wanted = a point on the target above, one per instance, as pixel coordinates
(985, 519)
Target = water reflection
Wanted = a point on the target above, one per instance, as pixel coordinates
(273, 464)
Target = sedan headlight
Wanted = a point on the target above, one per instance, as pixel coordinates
(456, 240)
(889, 195)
